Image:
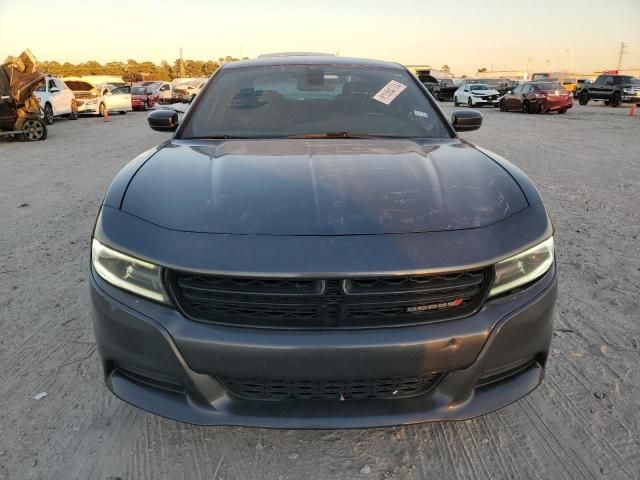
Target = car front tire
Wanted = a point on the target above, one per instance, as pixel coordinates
(33, 130)
(616, 99)
(583, 98)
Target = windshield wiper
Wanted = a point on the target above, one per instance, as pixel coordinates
(341, 135)
(216, 137)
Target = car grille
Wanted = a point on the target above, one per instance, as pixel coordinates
(362, 389)
(319, 303)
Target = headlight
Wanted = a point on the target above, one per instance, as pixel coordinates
(132, 274)
(523, 268)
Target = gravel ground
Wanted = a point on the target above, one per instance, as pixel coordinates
(582, 423)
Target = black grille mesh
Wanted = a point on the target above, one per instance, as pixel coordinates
(332, 303)
(359, 389)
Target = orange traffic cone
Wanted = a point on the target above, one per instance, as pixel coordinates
(106, 116)
(634, 110)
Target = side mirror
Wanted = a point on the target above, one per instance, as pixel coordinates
(54, 90)
(466, 120)
(163, 120)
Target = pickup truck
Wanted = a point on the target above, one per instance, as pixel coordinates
(612, 89)
(445, 90)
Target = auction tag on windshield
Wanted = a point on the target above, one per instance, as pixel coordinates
(389, 92)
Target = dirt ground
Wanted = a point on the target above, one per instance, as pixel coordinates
(582, 423)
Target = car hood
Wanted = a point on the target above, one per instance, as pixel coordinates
(321, 187)
(80, 86)
(486, 92)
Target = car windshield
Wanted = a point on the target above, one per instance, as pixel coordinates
(313, 101)
(549, 86)
(479, 87)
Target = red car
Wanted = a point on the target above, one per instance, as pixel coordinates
(537, 97)
(142, 98)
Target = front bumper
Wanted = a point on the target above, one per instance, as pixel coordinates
(631, 98)
(486, 101)
(177, 361)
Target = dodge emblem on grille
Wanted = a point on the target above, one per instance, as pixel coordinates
(435, 306)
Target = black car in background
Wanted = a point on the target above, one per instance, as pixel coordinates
(612, 90)
(430, 82)
(316, 247)
(502, 85)
(445, 90)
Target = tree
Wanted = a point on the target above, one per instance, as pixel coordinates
(133, 69)
(446, 68)
(482, 70)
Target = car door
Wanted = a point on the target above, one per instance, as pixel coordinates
(51, 94)
(525, 89)
(121, 98)
(464, 95)
(511, 99)
(61, 100)
(165, 92)
(518, 97)
(599, 88)
(528, 94)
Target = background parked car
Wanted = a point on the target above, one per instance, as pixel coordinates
(580, 84)
(612, 89)
(537, 97)
(502, 85)
(186, 91)
(116, 98)
(430, 82)
(476, 94)
(164, 90)
(56, 99)
(100, 98)
(143, 98)
(446, 89)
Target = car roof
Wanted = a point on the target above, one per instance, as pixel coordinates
(301, 59)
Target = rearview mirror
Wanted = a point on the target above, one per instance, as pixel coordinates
(163, 120)
(466, 120)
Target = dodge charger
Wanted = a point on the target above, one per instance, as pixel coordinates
(314, 246)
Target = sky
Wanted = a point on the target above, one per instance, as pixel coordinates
(464, 34)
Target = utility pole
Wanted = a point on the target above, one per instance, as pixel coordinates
(621, 53)
(182, 74)
(526, 73)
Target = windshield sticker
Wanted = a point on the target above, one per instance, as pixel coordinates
(418, 113)
(389, 92)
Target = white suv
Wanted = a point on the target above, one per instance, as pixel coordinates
(56, 99)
